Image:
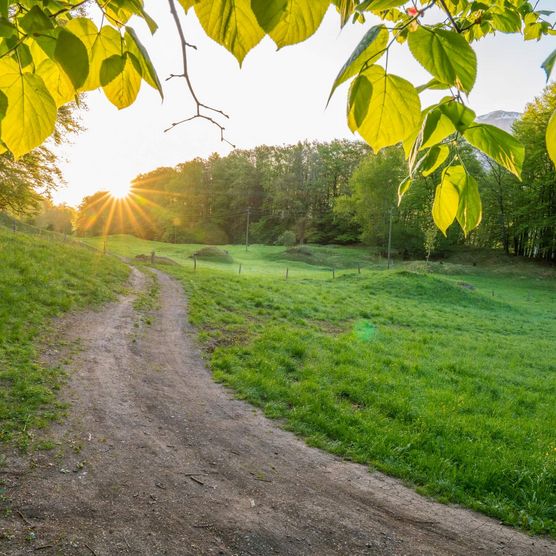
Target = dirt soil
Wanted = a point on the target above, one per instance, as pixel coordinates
(155, 458)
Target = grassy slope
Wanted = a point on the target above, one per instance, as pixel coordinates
(450, 388)
(259, 260)
(40, 279)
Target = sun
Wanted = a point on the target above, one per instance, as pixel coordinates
(119, 190)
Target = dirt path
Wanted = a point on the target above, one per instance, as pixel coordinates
(157, 459)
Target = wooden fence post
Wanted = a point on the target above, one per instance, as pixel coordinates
(153, 255)
(239, 268)
(194, 263)
(287, 272)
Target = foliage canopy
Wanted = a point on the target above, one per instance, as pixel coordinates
(51, 51)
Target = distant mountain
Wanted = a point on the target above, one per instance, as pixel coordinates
(500, 118)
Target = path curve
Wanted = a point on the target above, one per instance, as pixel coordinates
(157, 459)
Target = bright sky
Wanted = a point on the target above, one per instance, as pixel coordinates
(275, 98)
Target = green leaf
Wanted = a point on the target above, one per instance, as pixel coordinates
(57, 82)
(135, 46)
(35, 20)
(446, 55)
(403, 188)
(470, 210)
(551, 138)
(498, 145)
(72, 56)
(433, 84)
(111, 68)
(230, 23)
(346, 9)
(393, 110)
(120, 80)
(31, 113)
(378, 5)
(436, 127)
(107, 42)
(360, 93)
(7, 28)
(506, 20)
(548, 64)
(461, 116)
(289, 21)
(446, 201)
(457, 196)
(3, 105)
(434, 159)
(187, 4)
(367, 52)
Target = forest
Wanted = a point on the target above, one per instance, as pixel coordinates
(335, 192)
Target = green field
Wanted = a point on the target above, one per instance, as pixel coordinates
(259, 260)
(40, 279)
(446, 379)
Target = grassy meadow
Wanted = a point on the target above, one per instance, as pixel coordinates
(446, 379)
(41, 279)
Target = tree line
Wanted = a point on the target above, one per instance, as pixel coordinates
(332, 192)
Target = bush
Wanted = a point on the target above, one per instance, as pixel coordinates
(287, 239)
(214, 254)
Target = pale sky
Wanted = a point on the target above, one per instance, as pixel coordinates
(277, 97)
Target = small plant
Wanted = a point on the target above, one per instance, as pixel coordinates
(287, 239)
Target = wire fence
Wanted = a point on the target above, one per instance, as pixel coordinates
(283, 270)
(16, 226)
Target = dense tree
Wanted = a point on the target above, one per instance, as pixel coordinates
(26, 181)
(56, 218)
(534, 200)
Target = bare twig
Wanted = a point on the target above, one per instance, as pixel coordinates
(25, 520)
(92, 551)
(450, 17)
(185, 75)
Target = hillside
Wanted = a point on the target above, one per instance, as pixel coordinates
(41, 279)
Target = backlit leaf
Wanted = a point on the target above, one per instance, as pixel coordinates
(359, 99)
(403, 188)
(446, 55)
(59, 85)
(498, 145)
(31, 112)
(230, 23)
(289, 21)
(35, 20)
(446, 201)
(72, 56)
(367, 52)
(393, 111)
(120, 80)
(135, 46)
(108, 42)
(461, 116)
(470, 212)
(434, 159)
(548, 64)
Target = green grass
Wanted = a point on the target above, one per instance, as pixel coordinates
(41, 279)
(259, 260)
(414, 373)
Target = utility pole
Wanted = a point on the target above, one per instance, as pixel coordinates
(390, 238)
(247, 229)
